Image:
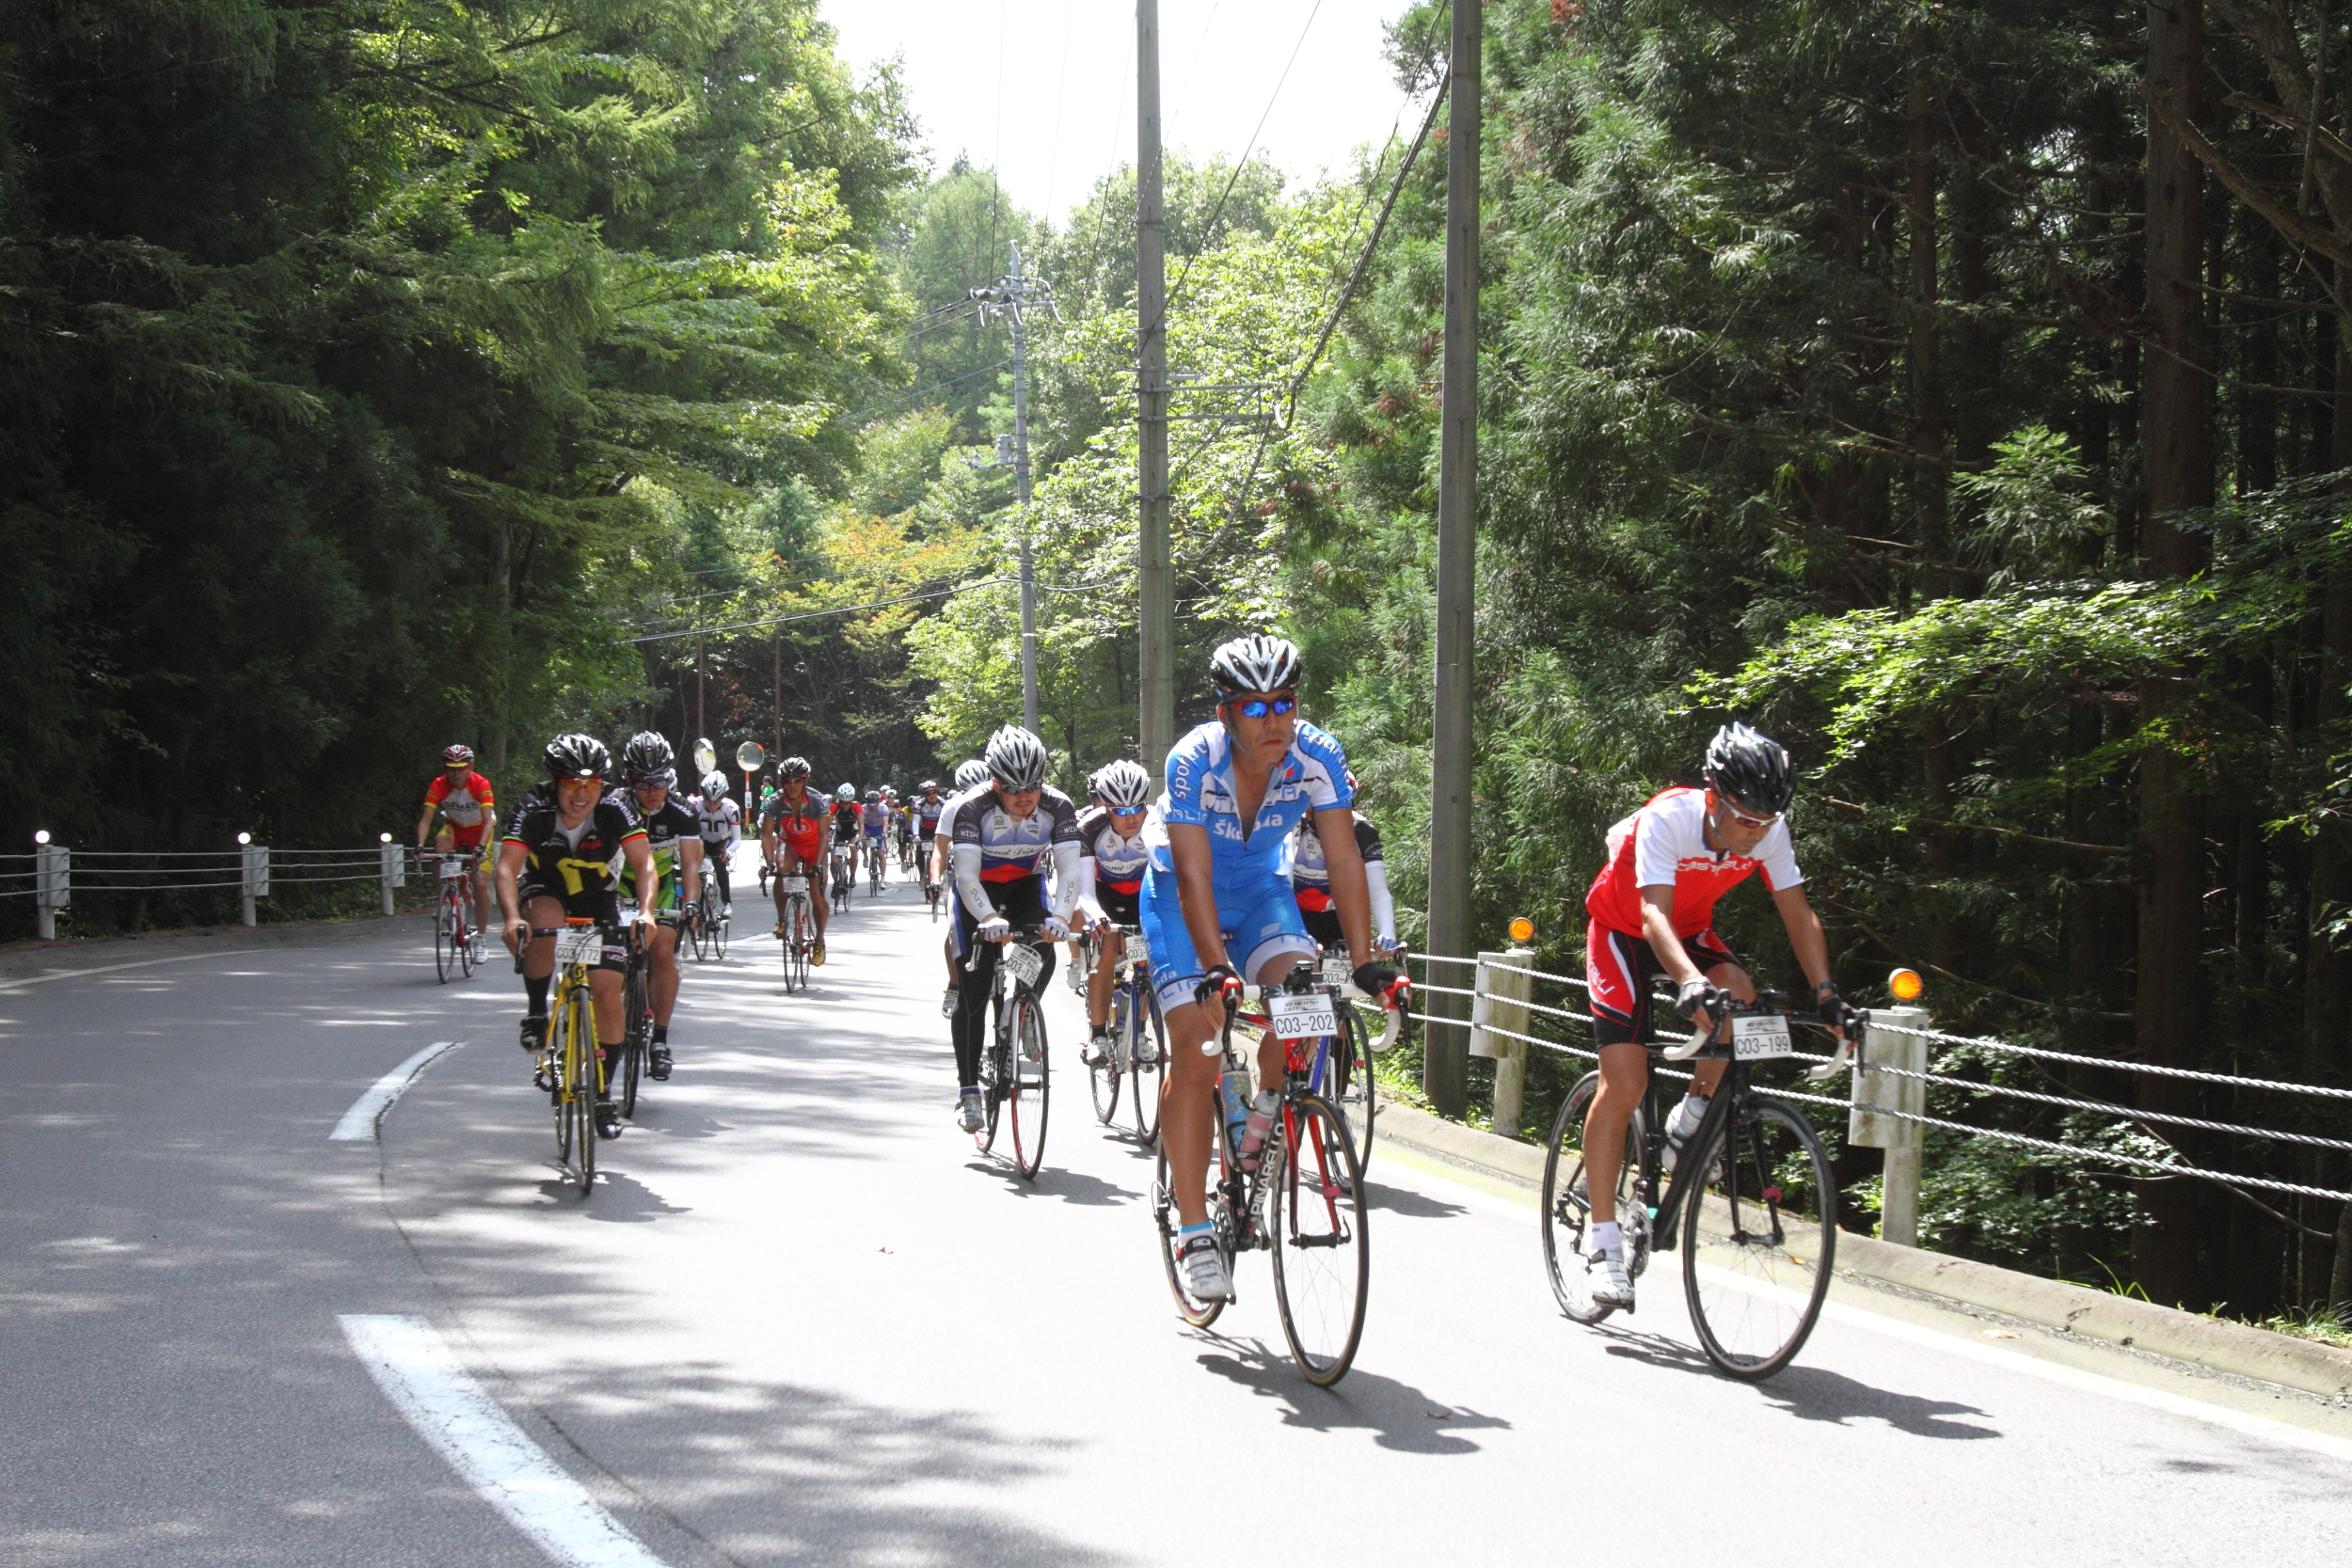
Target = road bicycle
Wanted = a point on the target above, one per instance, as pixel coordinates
(452, 916)
(934, 893)
(709, 928)
(636, 1025)
(906, 848)
(1138, 1053)
(798, 919)
(571, 1069)
(1016, 1081)
(841, 866)
(1303, 1202)
(874, 861)
(1751, 1188)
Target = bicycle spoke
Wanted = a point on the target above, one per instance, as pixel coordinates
(1321, 1258)
(1760, 1245)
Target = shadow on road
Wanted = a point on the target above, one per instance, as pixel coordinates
(1070, 1186)
(1398, 1415)
(1412, 1205)
(1811, 1393)
(620, 1199)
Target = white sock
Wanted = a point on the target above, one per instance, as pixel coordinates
(1689, 1115)
(1605, 1235)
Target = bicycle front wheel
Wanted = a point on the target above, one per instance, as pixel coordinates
(1199, 1313)
(444, 942)
(1147, 1059)
(640, 1028)
(1754, 1267)
(1031, 1087)
(718, 936)
(1104, 1074)
(1567, 1209)
(804, 929)
(1322, 1257)
(788, 946)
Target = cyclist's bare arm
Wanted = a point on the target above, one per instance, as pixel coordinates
(424, 825)
(1196, 890)
(1805, 936)
(690, 869)
(1350, 890)
(510, 868)
(1658, 926)
(648, 882)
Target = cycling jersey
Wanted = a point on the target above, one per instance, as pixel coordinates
(926, 815)
(992, 846)
(467, 804)
(580, 865)
(664, 831)
(1313, 776)
(1106, 858)
(875, 817)
(1310, 874)
(801, 824)
(1664, 843)
(720, 823)
(846, 815)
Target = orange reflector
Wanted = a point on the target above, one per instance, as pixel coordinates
(1522, 928)
(1905, 984)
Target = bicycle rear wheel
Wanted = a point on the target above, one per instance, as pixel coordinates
(1030, 1092)
(789, 944)
(1322, 1255)
(1199, 1313)
(1753, 1294)
(1352, 1092)
(638, 1029)
(1146, 1059)
(444, 942)
(1567, 1208)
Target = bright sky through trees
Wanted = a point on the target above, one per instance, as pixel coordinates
(1060, 111)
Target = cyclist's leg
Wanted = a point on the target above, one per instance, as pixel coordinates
(542, 910)
(1188, 1092)
(819, 896)
(968, 1026)
(716, 857)
(1619, 968)
(1270, 940)
(662, 980)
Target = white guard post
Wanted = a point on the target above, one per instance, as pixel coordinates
(1502, 988)
(53, 885)
(394, 869)
(255, 879)
(1874, 1092)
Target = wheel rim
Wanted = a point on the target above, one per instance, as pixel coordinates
(1321, 1254)
(1104, 1078)
(1565, 1210)
(1031, 1089)
(1753, 1295)
(1352, 1074)
(441, 939)
(1143, 1083)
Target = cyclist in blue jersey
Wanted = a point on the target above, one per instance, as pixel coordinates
(1216, 901)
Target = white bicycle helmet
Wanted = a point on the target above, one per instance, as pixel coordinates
(971, 773)
(714, 787)
(1123, 784)
(847, 792)
(1256, 663)
(1016, 759)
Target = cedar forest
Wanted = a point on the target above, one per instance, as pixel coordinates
(1959, 391)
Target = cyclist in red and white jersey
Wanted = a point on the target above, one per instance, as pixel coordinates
(468, 809)
(1652, 912)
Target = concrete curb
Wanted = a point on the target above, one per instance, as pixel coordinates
(2074, 1309)
(39, 960)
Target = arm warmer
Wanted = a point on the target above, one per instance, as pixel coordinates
(965, 860)
(1383, 907)
(1066, 876)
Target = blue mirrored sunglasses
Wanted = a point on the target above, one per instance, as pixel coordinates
(1258, 707)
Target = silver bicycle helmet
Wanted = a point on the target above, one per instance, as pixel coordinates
(971, 773)
(1256, 663)
(1750, 769)
(847, 792)
(1016, 759)
(1123, 784)
(714, 787)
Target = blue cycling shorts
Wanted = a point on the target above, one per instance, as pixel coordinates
(1259, 921)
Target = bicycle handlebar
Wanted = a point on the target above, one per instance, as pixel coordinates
(1348, 990)
(1766, 1003)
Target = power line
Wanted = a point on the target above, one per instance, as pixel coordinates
(1218, 210)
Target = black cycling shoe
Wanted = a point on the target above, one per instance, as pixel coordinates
(608, 1119)
(657, 1063)
(534, 1033)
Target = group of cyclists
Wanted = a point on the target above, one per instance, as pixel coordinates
(1250, 861)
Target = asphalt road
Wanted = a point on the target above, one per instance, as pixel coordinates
(800, 1320)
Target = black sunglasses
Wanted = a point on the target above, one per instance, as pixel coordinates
(1258, 707)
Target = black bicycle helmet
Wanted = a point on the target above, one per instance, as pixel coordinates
(792, 768)
(647, 759)
(1256, 663)
(578, 756)
(1016, 759)
(1750, 770)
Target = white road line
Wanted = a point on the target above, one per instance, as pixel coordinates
(7, 986)
(2245, 1422)
(360, 1121)
(414, 1367)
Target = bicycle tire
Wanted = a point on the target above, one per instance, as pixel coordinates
(1315, 1210)
(585, 1101)
(1103, 1077)
(1563, 1217)
(1354, 1092)
(1199, 1313)
(444, 943)
(789, 920)
(804, 929)
(1144, 1078)
(466, 963)
(560, 1097)
(637, 1029)
(1030, 1095)
(1752, 1301)
(719, 936)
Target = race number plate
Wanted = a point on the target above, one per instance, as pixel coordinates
(578, 944)
(1022, 962)
(793, 884)
(1756, 1037)
(452, 866)
(1337, 971)
(1302, 1018)
(1138, 948)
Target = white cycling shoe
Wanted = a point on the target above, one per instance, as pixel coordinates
(1605, 1279)
(968, 1112)
(1206, 1277)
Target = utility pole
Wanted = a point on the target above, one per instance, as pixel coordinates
(1445, 1064)
(1156, 621)
(1015, 296)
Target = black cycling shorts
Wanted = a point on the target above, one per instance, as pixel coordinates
(602, 907)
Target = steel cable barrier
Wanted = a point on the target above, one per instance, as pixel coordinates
(53, 873)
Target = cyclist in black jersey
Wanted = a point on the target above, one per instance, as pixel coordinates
(557, 861)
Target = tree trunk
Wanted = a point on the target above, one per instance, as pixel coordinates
(2178, 476)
